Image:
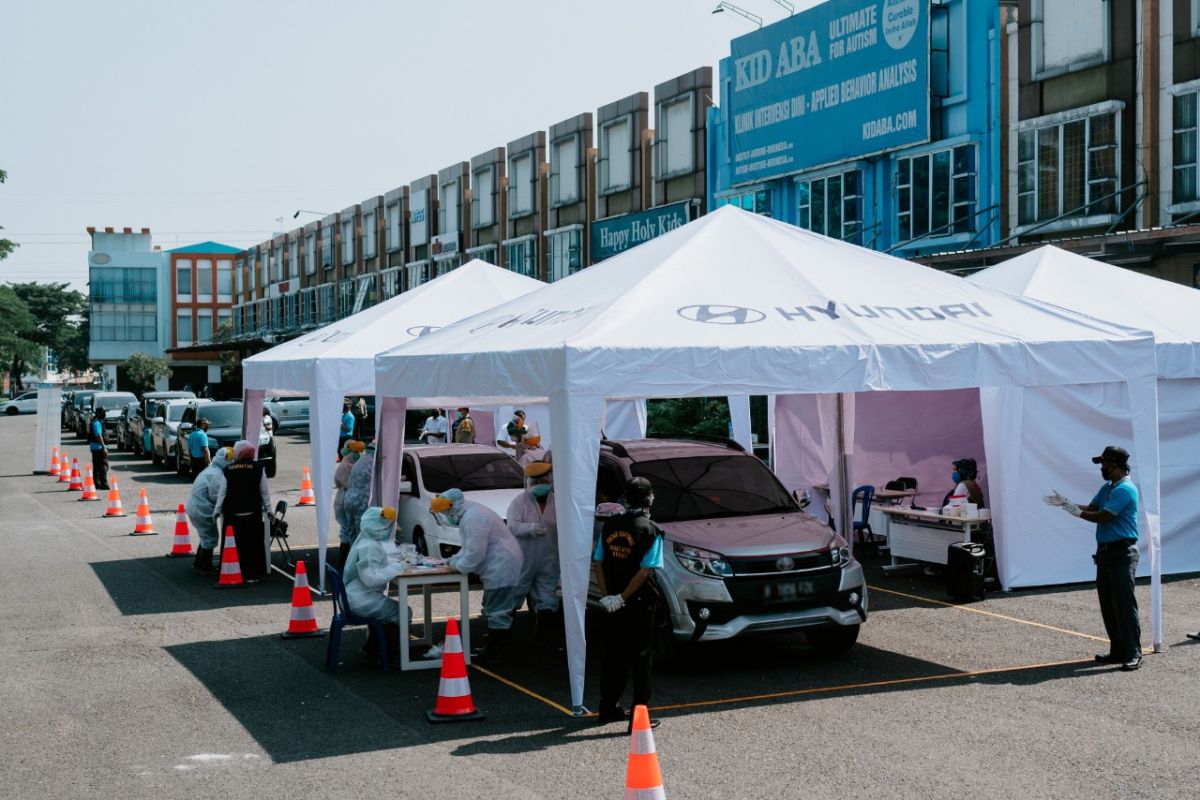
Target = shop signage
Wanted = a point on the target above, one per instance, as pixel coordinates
(617, 234)
(846, 79)
(445, 243)
(418, 218)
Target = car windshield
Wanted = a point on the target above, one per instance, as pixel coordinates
(703, 487)
(175, 413)
(471, 472)
(221, 416)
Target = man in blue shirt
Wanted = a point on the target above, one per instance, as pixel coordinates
(198, 446)
(1114, 509)
(346, 432)
(626, 555)
(99, 449)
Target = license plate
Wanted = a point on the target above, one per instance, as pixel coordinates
(787, 591)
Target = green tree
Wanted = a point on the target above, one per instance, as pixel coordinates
(56, 309)
(72, 351)
(17, 328)
(6, 245)
(144, 369)
(696, 416)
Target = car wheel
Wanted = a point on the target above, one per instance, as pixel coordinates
(419, 540)
(179, 466)
(833, 640)
(11, 411)
(274, 424)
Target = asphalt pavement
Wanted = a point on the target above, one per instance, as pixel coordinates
(124, 674)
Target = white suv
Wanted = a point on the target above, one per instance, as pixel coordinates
(25, 403)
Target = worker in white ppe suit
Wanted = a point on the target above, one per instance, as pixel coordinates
(351, 452)
(489, 551)
(532, 521)
(203, 507)
(358, 494)
(368, 570)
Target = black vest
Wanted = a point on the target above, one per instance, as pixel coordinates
(243, 493)
(625, 540)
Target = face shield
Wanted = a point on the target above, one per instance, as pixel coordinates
(539, 479)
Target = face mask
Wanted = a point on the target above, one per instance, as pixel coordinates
(460, 415)
(541, 490)
(956, 476)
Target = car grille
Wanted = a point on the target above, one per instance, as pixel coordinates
(748, 595)
(771, 565)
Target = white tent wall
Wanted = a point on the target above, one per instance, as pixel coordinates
(1042, 438)
(324, 426)
(624, 419)
(1179, 453)
(739, 421)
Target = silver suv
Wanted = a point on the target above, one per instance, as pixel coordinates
(740, 555)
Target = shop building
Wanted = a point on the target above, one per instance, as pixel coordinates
(489, 207)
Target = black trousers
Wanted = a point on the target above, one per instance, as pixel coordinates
(251, 539)
(1115, 572)
(628, 645)
(100, 468)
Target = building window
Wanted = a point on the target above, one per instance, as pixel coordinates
(123, 285)
(1068, 169)
(565, 252)
(224, 280)
(204, 325)
(756, 202)
(564, 172)
(520, 189)
(418, 273)
(483, 199)
(448, 208)
(1184, 189)
(616, 156)
(224, 321)
(252, 270)
(485, 252)
(204, 280)
(326, 302)
(1069, 36)
(832, 205)
(520, 256)
(368, 235)
(392, 279)
(935, 193)
(277, 265)
(183, 327)
(123, 326)
(183, 279)
(327, 247)
(293, 259)
(676, 150)
(265, 263)
(308, 307)
(310, 253)
(348, 240)
(238, 269)
(393, 240)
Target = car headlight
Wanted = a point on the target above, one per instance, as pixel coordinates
(840, 556)
(702, 562)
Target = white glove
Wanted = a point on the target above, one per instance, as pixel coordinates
(539, 529)
(612, 603)
(1070, 508)
(1055, 499)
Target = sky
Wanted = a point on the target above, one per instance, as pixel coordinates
(211, 120)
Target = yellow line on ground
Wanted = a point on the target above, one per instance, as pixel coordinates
(974, 610)
(869, 685)
(522, 689)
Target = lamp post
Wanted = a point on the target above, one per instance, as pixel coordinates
(741, 12)
(306, 211)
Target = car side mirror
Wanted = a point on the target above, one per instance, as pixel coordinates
(157, 419)
(406, 487)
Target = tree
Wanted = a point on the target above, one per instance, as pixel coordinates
(703, 416)
(72, 351)
(6, 245)
(56, 309)
(144, 369)
(17, 328)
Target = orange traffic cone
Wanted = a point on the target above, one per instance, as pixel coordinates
(114, 500)
(304, 620)
(231, 570)
(454, 702)
(64, 469)
(182, 545)
(89, 486)
(307, 497)
(76, 481)
(643, 781)
(53, 462)
(144, 525)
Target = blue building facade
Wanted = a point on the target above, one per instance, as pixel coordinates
(878, 123)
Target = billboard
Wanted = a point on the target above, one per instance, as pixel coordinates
(617, 234)
(846, 79)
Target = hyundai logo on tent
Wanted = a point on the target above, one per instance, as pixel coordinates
(722, 315)
(417, 331)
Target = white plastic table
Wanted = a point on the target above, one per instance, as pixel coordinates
(925, 535)
(427, 579)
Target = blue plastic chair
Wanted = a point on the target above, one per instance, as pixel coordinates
(343, 616)
(862, 527)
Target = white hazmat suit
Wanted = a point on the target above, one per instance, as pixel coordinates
(490, 551)
(536, 531)
(369, 569)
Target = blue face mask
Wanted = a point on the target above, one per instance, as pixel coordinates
(541, 491)
(956, 476)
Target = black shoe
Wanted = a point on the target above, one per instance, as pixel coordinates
(1132, 664)
(612, 715)
(1194, 636)
(1109, 658)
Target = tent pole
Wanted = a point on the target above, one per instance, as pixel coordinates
(847, 524)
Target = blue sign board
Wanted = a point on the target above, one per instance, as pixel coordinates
(617, 234)
(846, 79)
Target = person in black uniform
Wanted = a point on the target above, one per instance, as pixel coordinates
(626, 555)
(243, 505)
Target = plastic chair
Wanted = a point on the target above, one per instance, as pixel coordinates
(343, 616)
(911, 483)
(862, 527)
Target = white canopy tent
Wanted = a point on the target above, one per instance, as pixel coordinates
(737, 304)
(339, 359)
(1065, 414)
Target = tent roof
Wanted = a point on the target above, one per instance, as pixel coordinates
(350, 345)
(797, 311)
(1171, 311)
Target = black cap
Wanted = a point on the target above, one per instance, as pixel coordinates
(1117, 455)
(637, 492)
